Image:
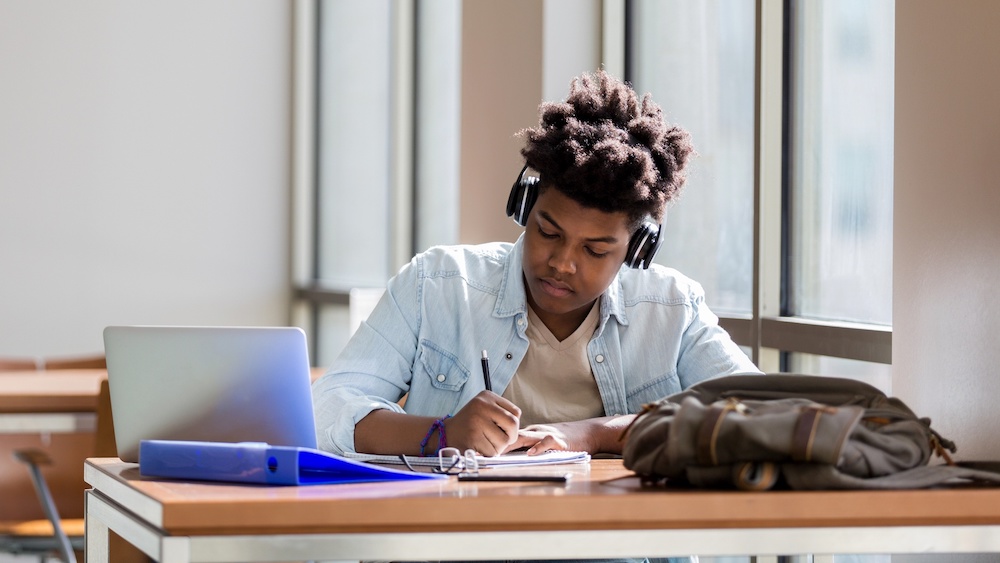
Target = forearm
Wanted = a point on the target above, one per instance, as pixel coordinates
(608, 433)
(603, 435)
(392, 433)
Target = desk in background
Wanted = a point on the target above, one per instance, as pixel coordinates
(602, 513)
(52, 411)
(61, 401)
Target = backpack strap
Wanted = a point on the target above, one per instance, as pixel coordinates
(708, 430)
(804, 434)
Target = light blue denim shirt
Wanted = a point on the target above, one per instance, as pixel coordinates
(425, 337)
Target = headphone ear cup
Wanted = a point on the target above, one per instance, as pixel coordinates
(522, 197)
(643, 245)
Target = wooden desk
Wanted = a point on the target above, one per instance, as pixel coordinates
(49, 401)
(51, 411)
(603, 512)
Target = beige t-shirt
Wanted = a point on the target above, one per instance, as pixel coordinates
(554, 382)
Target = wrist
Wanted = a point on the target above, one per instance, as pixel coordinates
(612, 434)
(438, 432)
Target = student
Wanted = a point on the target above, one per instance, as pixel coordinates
(579, 328)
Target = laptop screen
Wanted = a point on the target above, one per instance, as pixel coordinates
(217, 384)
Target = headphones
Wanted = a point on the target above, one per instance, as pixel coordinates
(642, 246)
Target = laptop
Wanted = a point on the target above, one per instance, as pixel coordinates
(215, 384)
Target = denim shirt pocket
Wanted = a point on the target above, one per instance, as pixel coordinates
(442, 368)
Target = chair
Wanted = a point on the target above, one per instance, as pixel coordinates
(42, 537)
(53, 534)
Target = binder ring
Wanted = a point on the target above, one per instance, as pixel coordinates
(451, 461)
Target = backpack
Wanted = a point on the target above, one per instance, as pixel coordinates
(758, 432)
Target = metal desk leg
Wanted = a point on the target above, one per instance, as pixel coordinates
(106, 515)
(96, 546)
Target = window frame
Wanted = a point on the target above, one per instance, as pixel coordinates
(769, 332)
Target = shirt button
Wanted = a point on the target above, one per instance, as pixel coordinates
(520, 322)
(509, 356)
(600, 359)
(441, 378)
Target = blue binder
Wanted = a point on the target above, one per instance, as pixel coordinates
(258, 462)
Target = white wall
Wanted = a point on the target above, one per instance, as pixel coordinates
(946, 257)
(501, 90)
(515, 54)
(144, 167)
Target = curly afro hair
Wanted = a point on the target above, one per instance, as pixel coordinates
(606, 150)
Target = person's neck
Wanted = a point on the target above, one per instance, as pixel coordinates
(562, 325)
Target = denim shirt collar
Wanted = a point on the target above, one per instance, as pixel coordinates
(512, 299)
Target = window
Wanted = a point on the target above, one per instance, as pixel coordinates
(347, 84)
(371, 187)
(785, 220)
(839, 263)
(355, 146)
(697, 60)
(801, 270)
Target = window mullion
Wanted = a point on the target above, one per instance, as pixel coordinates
(767, 175)
(402, 135)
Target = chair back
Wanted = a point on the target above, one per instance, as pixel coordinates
(104, 439)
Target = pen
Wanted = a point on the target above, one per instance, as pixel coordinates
(564, 478)
(486, 371)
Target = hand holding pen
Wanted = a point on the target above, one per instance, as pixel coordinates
(488, 423)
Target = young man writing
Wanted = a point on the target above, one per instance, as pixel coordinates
(580, 330)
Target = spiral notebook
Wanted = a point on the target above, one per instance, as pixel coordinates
(513, 459)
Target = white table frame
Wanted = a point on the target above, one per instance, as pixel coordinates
(47, 423)
(52, 408)
(140, 524)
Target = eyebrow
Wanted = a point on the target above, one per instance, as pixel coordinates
(608, 239)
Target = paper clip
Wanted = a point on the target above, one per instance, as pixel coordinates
(451, 461)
